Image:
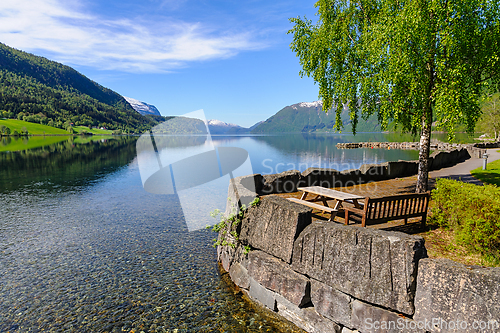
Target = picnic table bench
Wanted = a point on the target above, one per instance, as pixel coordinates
(398, 207)
(324, 195)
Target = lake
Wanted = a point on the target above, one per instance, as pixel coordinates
(84, 248)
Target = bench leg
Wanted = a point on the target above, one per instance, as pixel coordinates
(346, 221)
(332, 216)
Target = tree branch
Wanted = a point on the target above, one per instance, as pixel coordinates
(364, 12)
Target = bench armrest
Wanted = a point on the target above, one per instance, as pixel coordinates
(355, 210)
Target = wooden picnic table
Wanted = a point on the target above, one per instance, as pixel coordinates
(324, 195)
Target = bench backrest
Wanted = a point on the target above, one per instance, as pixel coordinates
(387, 208)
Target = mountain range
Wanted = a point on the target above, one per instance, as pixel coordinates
(301, 117)
(310, 117)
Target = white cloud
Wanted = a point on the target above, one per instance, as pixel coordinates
(65, 31)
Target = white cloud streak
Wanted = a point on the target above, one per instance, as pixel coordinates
(70, 35)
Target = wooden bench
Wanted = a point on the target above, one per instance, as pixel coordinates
(398, 207)
(327, 209)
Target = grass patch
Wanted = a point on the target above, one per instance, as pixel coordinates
(96, 131)
(33, 129)
(16, 143)
(491, 175)
(471, 215)
(440, 243)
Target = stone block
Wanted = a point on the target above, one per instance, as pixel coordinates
(475, 152)
(346, 330)
(242, 191)
(285, 182)
(371, 319)
(453, 296)
(375, 266)
(401, 169)
(264, 296)
(320, 177)
(306, 318)
(331, 303)
(277, 276)
(239, 275)
(373, 172)
(442, 159)
(273, 226)
(228, 255)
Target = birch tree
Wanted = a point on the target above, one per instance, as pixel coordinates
(410, 62)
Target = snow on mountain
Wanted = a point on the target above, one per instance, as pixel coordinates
(142, 108)
(215, 122)
(308, 105)
(220, 127)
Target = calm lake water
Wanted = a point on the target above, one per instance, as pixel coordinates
(84, 248)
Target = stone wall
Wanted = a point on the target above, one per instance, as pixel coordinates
(327, 277)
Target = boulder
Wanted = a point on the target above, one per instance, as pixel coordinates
(273, 226)
(277, 276)
(285, 182)
(455, 297)
(378, 267)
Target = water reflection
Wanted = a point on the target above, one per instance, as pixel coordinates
(83, 248)
(67, 165)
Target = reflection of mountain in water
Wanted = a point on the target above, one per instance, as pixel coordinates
(314, 146)
(65, 164)
(181, 125)
(170, 141)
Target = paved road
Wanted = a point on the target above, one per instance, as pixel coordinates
(461, 171)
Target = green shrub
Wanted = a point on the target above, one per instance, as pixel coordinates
(472, 213)
(4, 130)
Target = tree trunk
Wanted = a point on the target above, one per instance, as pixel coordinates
(423, 157)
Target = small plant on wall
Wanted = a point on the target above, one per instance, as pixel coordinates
(227, 227)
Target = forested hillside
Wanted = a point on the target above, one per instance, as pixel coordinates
(38, 90)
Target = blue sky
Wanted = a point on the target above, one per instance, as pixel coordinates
(230, 58)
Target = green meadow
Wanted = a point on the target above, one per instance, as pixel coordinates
(491, 175)
(33, 129)
(96, 131)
